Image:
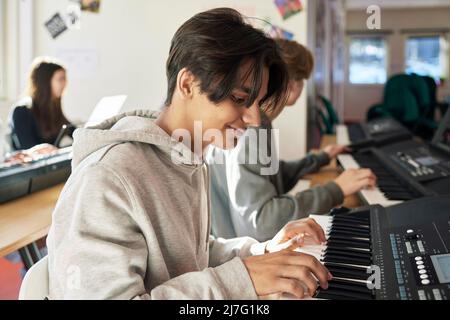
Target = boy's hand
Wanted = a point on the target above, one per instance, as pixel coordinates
(353, 180)
(286, 271)
(334, 149)
(294, 233)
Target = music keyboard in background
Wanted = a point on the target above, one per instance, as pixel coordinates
(373, 195)
(33, 175)
(407, 244)
(406, 170)
(377, 132)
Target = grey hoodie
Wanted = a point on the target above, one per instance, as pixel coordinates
(132, 223)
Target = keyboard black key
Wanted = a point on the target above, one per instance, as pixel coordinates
(345, 294)
(356, 226)
(346, 287)
(342, 228)
(351, 253)
(357, 240)
(322, 294)
(350, 218)
(349, 233)
(347, 266)
(345, 247)
(346, 259)
(344, 273)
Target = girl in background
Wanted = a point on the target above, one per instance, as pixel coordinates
(41, 119)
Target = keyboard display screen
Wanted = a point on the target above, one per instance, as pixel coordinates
(442, 266)
(427, 161)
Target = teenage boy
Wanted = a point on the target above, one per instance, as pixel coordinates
(245, 201)
(133, 219)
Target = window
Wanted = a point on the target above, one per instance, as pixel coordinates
(367, 61)
(427, 56)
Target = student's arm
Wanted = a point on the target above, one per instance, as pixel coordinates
(24, 128)
(259, 212)
(97, 251)
(256, 208)
(292, 171)
(223, 250)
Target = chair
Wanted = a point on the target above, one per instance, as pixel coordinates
(407, 98)
(327, 116)
(35, 283)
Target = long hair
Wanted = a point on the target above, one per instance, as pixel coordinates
(45, 107)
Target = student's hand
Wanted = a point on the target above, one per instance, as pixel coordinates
(286, 271)
(294, 234)
(353, 180)
(42, 149)
(334, 149)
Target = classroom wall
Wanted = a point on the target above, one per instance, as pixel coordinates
(122, 50)
(358, 98)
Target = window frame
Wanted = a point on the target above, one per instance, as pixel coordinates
(349, 39)
(444, 36)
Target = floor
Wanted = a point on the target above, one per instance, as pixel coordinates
(11, 274)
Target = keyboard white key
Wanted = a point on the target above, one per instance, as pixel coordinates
(342, 136)
(319, 252)
(315, 249)
(372, 195)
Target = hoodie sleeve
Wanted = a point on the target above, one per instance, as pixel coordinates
(228, 281)
(292, 171)
(222, 250)
(96, 249)
(260, 212)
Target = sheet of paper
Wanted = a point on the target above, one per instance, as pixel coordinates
(106, 108)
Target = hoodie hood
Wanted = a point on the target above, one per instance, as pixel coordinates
(134, 126)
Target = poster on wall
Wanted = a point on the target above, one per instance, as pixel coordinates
(277, 32)
(56, 25)
(288, 8)
(73, 16)
(90, 5)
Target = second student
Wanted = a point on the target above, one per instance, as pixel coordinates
(246, 202)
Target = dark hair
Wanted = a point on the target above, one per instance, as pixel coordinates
(47, 110)
(213, 45)
(299, 60)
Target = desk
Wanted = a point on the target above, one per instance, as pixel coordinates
(331, 172)
(25, 220)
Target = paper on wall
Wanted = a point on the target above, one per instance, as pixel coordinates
(288, 8)
(73, 16)
(56, 25)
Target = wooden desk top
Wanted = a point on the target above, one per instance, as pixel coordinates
(331, 172)
(26, 219)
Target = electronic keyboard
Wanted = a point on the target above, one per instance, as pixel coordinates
(406, 170)
(22, 179)
(399, 252)
(377, 132)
